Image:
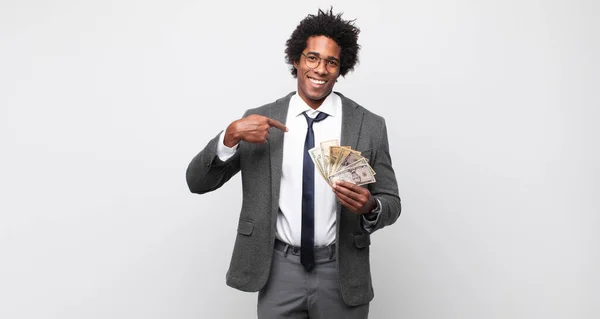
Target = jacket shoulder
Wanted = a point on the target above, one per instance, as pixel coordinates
(373, 117)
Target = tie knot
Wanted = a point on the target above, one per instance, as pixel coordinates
(321, 116)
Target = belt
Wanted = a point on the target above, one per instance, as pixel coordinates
(323, 252)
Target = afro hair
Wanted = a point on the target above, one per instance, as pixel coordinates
(331, 25)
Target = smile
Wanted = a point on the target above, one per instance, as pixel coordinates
(318, 82)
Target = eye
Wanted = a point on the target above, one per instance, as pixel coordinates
(311, 58)
(332, 63)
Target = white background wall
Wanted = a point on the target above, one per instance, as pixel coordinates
(491, 108)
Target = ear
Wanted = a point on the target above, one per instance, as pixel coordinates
(295, 65)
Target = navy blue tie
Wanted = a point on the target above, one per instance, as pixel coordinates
(307, 253)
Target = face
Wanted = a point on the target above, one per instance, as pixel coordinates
(355, 177)
(314, 85)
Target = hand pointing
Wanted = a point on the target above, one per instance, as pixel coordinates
(253, 129)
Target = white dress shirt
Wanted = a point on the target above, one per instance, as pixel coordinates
(289, 217)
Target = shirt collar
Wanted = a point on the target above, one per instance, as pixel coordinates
(329, 106)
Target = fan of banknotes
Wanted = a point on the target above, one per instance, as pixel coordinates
(341, 163)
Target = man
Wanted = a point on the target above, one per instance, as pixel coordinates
(303, 244)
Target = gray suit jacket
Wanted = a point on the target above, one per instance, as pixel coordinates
(260, 165)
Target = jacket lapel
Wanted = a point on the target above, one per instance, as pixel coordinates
(351, 122)
(279, 113)
(352, 119)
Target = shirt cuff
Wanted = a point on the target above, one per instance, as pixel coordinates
(224, 152)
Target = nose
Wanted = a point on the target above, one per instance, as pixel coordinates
(322, 68)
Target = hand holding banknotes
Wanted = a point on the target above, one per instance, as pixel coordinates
(345, 170)
(357, 199)
(253, 128)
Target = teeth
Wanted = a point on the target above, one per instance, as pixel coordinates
(316, 81)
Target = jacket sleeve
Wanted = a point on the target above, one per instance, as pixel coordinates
(206, 172)
(385, 189)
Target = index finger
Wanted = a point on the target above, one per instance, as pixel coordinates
(276, 124)
(348, 185)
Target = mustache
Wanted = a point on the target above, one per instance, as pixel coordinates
(328, 76)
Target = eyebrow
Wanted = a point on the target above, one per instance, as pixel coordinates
(319, 55)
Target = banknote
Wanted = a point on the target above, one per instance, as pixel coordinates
(347, 157)
(334, 153)
(317, 158)
(362, 161)
(325, 153)
(359, 175)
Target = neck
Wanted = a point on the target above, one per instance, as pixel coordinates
(313, 104)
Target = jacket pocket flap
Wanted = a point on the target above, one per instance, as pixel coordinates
(362, 240)
(245, 227)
